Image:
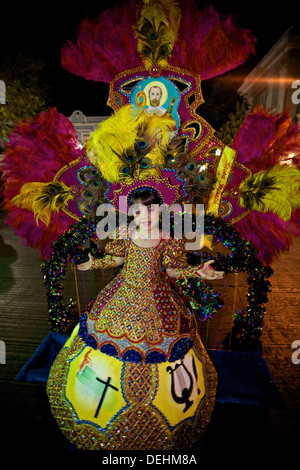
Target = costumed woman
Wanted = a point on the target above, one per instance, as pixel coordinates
(134, 374)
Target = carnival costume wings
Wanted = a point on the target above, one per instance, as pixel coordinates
(51, 182)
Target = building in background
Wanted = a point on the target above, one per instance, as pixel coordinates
(275, 80)
(84, 125)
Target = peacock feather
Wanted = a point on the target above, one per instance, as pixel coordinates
(196, 174)
(156, 31)
(130, 144)
(91, 193)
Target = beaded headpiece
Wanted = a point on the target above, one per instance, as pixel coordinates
(169, 189)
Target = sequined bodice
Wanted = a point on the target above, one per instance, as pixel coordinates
(142, 267)
(139, 307)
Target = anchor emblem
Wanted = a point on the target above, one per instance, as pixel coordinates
(181, 375)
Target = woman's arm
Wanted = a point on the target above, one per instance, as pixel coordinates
(108, 261)
(204, 270)
(176, 264)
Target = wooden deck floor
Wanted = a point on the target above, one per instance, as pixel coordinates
(24, 409)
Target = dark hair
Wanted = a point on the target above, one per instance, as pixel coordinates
(145, 196)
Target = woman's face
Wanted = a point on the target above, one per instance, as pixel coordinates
(146, 217)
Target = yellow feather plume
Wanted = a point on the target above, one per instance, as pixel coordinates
(130, 144)
(276, 190)
(43, 199)
(112, 135)
(156, 31)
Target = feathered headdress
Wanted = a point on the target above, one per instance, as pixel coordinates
(173, 42)
(157, 33)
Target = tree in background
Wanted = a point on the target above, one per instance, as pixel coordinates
(26, 95)
(224, 108)
(235, 119)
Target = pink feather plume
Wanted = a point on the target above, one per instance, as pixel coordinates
(105, 46)
(263, 141)
(207, 44)
(210, 44)
(36, 150)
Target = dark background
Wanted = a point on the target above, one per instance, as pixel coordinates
(41, 30)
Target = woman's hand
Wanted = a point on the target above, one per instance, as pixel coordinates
(209, 272)
(87, 265)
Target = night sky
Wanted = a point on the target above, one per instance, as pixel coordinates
(42, 31)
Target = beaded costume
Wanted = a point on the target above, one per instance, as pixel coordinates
(139, 315)
(134, 374)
